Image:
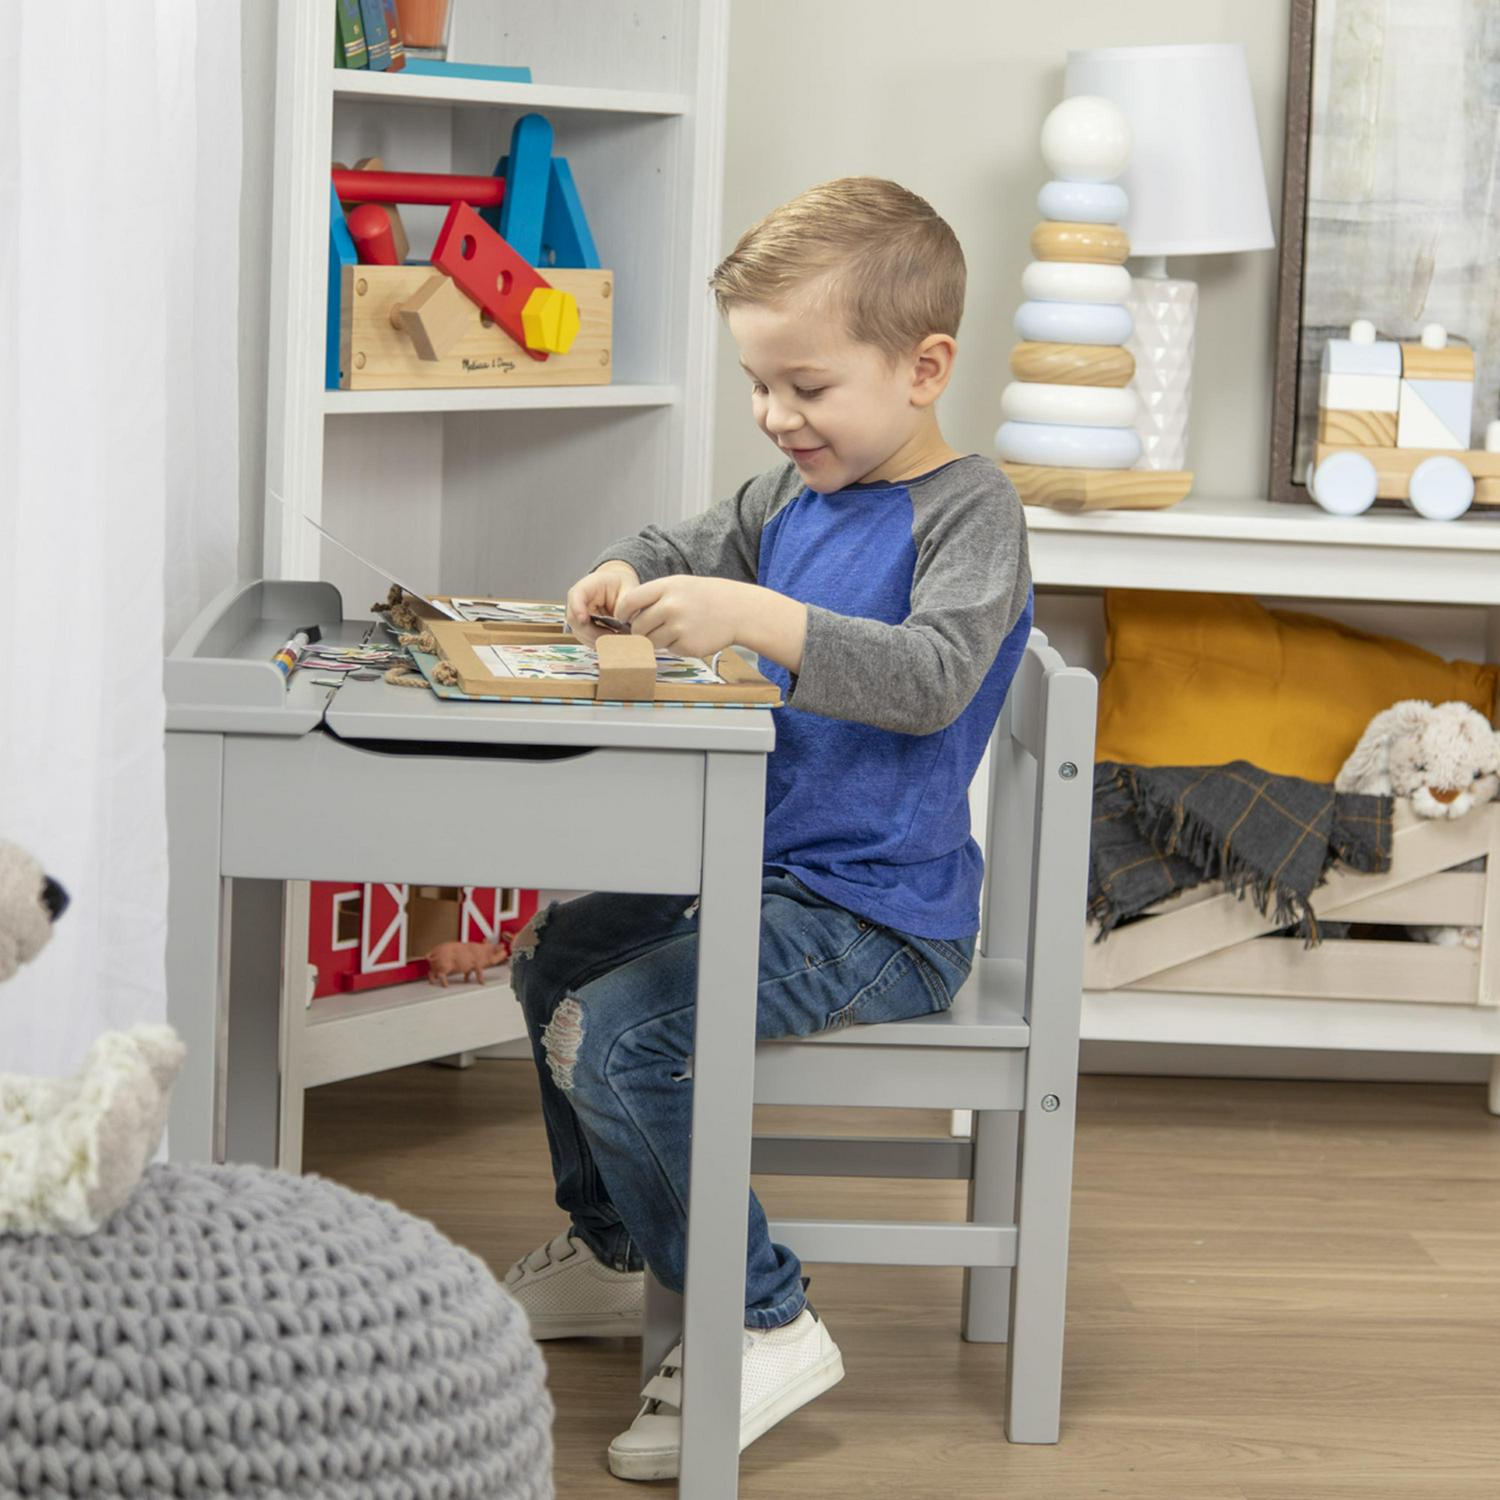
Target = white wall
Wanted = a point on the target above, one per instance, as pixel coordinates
(948, 98)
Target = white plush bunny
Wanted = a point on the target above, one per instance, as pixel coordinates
(73, 1149)
(1445, 759)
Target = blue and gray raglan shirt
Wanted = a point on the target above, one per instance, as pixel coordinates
(919, 606)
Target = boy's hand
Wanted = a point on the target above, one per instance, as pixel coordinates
(685, 613)
(598, 593)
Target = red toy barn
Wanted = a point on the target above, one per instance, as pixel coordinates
(364, 936)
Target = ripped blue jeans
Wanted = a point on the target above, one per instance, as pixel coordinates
(607, 985)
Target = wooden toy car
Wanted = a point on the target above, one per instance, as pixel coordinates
(1393, 424)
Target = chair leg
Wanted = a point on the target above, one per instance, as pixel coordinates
(1039, 1282)
(661, 1325)
(992, 1200)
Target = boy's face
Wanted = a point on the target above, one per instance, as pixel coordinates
(838, 408)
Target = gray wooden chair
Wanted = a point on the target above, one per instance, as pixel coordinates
(1007, 1049)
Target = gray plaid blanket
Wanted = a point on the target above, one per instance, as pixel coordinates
(1159, 830)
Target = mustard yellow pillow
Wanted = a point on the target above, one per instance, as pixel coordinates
(1200, 679)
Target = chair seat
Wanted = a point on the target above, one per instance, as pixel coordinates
(986, 1012)
(971, 1056)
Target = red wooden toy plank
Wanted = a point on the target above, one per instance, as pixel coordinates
(487, 270)
(417, 187)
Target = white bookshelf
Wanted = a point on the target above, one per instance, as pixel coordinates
(511, 490)
(1434, 583)
(503, 489)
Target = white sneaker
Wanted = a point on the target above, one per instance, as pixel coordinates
(567, 1292)
(782, 1369)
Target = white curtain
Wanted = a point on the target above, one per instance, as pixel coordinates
(119, 175)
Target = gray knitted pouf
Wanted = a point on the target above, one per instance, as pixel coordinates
(234, 1331)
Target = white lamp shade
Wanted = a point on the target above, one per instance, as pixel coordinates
(1195, 180)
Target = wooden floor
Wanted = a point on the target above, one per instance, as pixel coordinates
(1278, 1291)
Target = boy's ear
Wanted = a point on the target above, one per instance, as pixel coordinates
(932, 367)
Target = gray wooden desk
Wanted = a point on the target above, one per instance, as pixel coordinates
(269, 781)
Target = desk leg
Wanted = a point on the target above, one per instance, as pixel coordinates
(195, 910)
(723, 1095)
(253, 1046)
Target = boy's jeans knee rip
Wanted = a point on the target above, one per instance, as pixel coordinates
(561, 1040)
(523, 947)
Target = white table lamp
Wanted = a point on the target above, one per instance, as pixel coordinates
(1196, 186)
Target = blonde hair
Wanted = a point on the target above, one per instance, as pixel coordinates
(894, 268)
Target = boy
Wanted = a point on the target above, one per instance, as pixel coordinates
(882, 579)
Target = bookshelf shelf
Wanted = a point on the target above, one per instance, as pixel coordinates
(397, 88)
(346, 1036)
(514, 398)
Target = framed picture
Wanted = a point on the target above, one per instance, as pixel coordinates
(1390, 199)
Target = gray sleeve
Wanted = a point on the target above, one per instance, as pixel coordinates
(971, 583)
(722, 542)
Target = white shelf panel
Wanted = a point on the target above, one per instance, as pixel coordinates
(501, 398)
(1255, 519)
(396, 88)
(347, 1036)
(1253, 546)
(1246, 1021)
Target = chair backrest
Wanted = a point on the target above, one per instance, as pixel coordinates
(1036, 849)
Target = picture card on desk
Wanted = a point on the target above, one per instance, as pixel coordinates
(561, 659)
(487, 660)
(510, 611)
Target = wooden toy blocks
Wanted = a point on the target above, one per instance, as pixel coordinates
(1069, 438)
(436, 318)
(1102, 244)
(393, 214)
(488, 270)
(528, 176)
(1072, 364)
(438, 326)
(374, 239)
(1394, 422)
(1435, 414)
(550, 319)
(377, 354)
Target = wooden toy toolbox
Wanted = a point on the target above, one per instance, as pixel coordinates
(627, 667)
(514, 295)
(376, 354)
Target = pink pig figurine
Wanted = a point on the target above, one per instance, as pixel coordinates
(469, 960)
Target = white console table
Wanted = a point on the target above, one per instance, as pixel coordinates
(1283, 552)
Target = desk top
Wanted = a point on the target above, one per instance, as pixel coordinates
(219, 679)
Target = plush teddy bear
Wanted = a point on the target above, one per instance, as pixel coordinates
(73, 1149)
(1445, 759)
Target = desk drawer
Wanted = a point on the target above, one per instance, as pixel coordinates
(318, 808)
